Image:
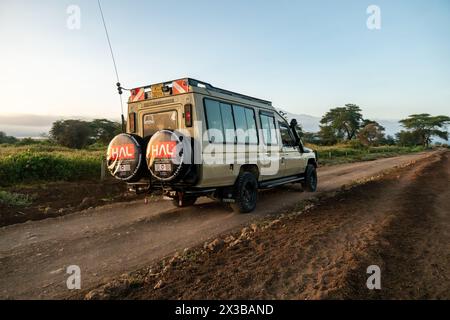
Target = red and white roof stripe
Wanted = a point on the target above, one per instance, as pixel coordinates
(137, 94)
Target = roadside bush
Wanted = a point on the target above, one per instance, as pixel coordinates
(356, 144)
(15, 199)
(34, 166)
(347, 152)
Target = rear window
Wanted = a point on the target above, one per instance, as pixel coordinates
(154, 122)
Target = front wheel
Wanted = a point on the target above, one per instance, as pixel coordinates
(310, 182)
(245, 193)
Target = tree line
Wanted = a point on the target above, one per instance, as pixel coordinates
(75, 134)
(344, 124)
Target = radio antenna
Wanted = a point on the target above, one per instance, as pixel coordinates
(119, 87)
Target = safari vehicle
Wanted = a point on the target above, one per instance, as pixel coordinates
(190, 139)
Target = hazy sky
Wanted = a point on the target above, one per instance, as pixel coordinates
(305, 56)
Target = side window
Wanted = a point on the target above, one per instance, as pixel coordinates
(214, 119)
(268, 129)
(286, 136)
(241, 124)
(220, 121)
(251, 124)
(244, 119)
(227, 122)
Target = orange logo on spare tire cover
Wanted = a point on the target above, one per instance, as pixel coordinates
(120, 152)
(162, 149)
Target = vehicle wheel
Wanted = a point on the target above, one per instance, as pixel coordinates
(186, 202)
(310, 182)
(245, 193)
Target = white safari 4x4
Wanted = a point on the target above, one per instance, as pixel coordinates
(191, 139)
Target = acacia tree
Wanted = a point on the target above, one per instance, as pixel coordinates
(343, 121)
(104, 130)
(71, 133)
(426, 126)
(408, 138)
(327, 136)
(371, 134)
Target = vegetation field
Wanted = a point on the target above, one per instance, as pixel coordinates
(42, 162)
(345, 153)
(46, 162)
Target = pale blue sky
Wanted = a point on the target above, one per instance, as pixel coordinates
(305, 56)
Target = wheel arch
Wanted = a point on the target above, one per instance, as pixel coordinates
(252, 168)
(313, 162)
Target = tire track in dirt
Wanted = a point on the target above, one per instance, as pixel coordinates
(414, 250)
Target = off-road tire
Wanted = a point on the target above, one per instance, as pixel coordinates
(245, 193)
(310, 182)
(187, 202)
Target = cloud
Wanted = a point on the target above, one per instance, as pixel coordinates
(28, 120)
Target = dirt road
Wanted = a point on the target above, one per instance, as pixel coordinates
(110, 240)
(399, 222)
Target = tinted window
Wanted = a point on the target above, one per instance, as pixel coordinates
(268, 129)
(227, 122)
(286, 137)
(251, 124)
(244, 118)
(154, 122)
(241, 124)
(214, 118)
(226, 119)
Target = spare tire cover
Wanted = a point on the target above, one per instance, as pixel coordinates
(168, 154)
(125, 157)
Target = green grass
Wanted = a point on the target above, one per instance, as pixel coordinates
(34, 163)
(15, 199)
(330, 155)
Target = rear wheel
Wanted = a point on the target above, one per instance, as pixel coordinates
(245, 193)
(310, 182)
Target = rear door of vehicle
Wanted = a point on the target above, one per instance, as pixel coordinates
(155, 119)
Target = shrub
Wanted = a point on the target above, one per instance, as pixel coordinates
(15, 199)
(31, 166)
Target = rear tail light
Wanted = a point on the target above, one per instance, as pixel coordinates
(188, 115)
(132, 122)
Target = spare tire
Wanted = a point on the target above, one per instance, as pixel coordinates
(125, 157)
(169, 155)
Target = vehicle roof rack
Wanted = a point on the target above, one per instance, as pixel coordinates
(209, 87)
(200, 84)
